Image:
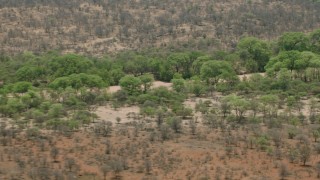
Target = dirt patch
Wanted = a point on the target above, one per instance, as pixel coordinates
(156, 84)
(247, 76)
(107, 113)
(113, 89)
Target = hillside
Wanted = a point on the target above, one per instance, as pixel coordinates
(100, 26)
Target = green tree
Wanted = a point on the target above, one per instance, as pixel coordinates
(30, 73)
(147, 81)
(303, 63)
(269, 104)
(166, 72)
(197, 87)
(293, 103)
(116, 75)
(131, 84)
(38, 116)
(285, 59)
(197, 64)
(61, 82)
(316, 134)
(13, 106)
(214, 71)
(155, 67)
(21, 87)
(293, 41)
(141, 64)
(182, 111)
(69, 64)
(89, 81)
(178, 85)
(314, 69)
(82, 116)
(256, 53)
(31, 99)
(313, 109)
(78, 81)
(315, 41)
(283, 80)
(56, 111)
(148, 111)
(181, 63)
(238, 104)
(166, 97)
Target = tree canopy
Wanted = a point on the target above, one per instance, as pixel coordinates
(213, 71)
(254, 52)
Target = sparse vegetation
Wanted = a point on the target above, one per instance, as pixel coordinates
(251, 111)
(99, 26)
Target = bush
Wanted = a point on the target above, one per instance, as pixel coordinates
(32, 132)
(175, 123)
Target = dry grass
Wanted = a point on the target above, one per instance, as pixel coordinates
(98, 28)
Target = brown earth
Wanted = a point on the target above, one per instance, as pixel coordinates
(201, 156)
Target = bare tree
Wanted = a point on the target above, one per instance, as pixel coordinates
(70, 163)
(283, 171)
(105, 169)
(54, 153)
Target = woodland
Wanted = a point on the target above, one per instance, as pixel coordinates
(159, 89)
(252, 112)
